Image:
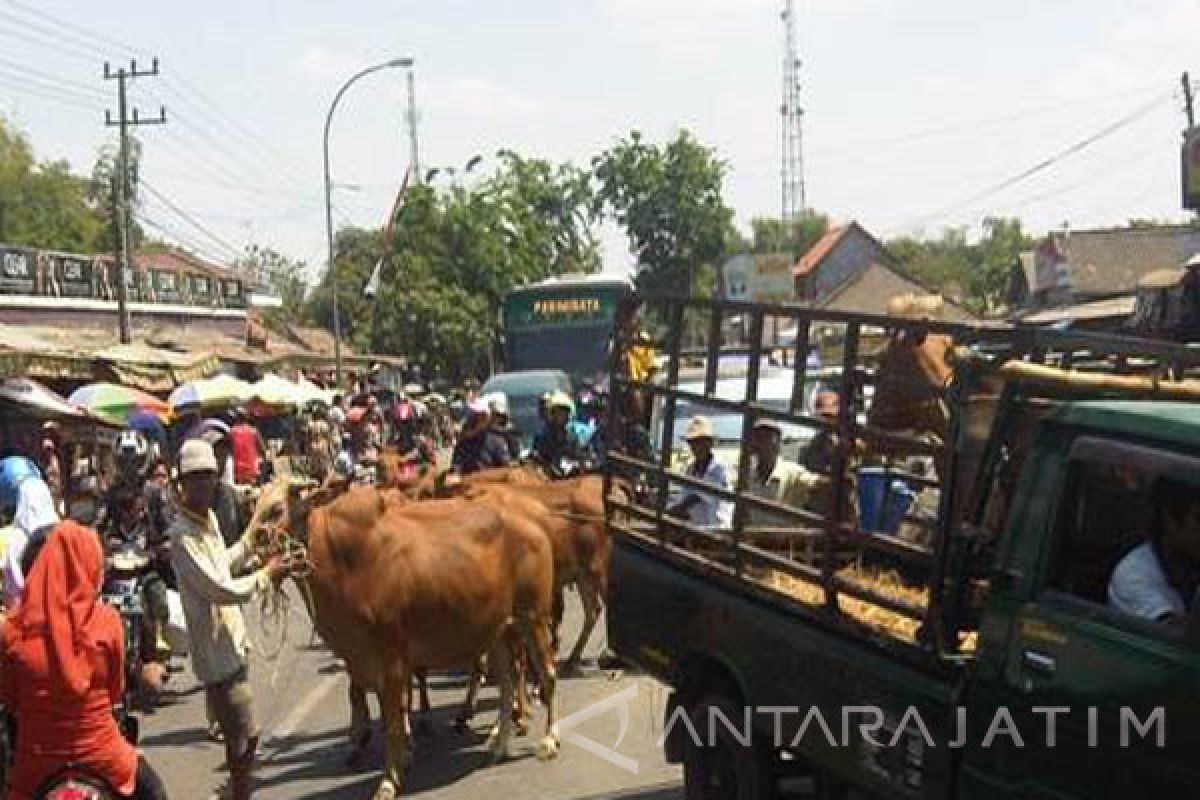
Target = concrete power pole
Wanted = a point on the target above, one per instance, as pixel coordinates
(792, 114)
(122, 179)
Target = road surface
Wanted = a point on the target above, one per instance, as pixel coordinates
(300, 698)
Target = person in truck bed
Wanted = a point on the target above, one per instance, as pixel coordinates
(1158, 579)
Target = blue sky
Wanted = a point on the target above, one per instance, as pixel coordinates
(914, 109)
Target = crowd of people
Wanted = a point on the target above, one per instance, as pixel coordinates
(179, 493)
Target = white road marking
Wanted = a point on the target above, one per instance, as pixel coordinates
(296, 716)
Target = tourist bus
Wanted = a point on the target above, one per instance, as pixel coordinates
(563, 323)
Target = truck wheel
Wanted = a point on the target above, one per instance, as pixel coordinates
(724, 769)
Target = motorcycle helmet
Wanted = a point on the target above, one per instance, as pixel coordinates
(560, 399)
(132, 452)
(14, 470)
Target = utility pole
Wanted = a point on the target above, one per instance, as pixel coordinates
(1188, 101)
(124, 226)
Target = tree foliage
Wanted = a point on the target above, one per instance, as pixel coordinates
(41, 203)
(794, 236)
(285, 277)
(669, 201)
(972, 273)
(455, 252)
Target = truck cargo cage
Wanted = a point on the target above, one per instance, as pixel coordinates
(907, 578)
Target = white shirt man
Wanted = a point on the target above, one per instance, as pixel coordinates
(701, 508)
(1139, 586)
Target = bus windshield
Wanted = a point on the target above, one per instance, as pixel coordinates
(563, 323)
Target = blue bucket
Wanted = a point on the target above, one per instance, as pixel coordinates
(872, 485)
(882, 500)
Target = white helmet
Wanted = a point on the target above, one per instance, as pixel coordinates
(132, 450)
(498, 403)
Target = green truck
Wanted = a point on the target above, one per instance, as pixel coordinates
(982, 658)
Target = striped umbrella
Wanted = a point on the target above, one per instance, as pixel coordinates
(114, 403)
(222, 391)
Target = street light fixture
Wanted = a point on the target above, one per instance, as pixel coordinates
(405, 63)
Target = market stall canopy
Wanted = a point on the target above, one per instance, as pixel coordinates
(116, 404)
(30, 398)
(278, 392)
(222, 391)
(155, 370)
(313, 393)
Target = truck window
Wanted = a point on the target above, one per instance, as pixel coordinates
(1128, 539)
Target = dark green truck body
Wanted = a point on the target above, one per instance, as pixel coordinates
(1045, 640)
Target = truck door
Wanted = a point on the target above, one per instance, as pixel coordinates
(1123, 690)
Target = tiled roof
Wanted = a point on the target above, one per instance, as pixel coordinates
(1110, 262)
(176, 259)
(823, 247)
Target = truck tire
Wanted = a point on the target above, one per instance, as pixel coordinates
(726, 770)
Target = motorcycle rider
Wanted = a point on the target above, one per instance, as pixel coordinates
(25, 499)
(478, 446)
(135, 513)
(556, 446)
(64, 671)
(502, 423)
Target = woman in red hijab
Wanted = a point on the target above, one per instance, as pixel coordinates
(63, 671)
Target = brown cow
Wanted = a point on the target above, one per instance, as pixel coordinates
(434, 584)
(571, 512)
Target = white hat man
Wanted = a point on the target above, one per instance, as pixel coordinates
(212, 598)
(701, 508)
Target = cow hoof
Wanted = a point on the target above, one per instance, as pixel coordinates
(386, 791)
(547, 748)
(522, 728)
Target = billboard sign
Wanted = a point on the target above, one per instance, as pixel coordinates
(762, 277)
(1190, 170)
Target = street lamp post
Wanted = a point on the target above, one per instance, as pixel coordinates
(406, 63)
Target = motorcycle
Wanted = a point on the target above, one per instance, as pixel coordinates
(75, 783)
(128, 568)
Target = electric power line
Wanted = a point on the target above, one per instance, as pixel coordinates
(189, 219)
(1050, 161)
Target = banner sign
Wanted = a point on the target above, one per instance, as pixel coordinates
(73, 274)
(18, 267)
(761, 277)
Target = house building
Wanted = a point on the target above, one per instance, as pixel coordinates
(1090, 277)
(848, 269)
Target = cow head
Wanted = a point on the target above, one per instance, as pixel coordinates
(284, 504)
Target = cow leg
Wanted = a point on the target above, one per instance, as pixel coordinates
(393, 703)
(360, 723)
(463, 721)
(500, 660)
(542, 656)
(589, 596)
(560, 608)
(424, 725)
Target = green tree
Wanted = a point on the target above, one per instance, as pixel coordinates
(454, 253)
(975, 274)
(285, 277)
(356, 251)
(43, 204)
(795, 236)
(669, 201)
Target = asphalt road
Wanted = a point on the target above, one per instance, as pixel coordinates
(300, 698)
